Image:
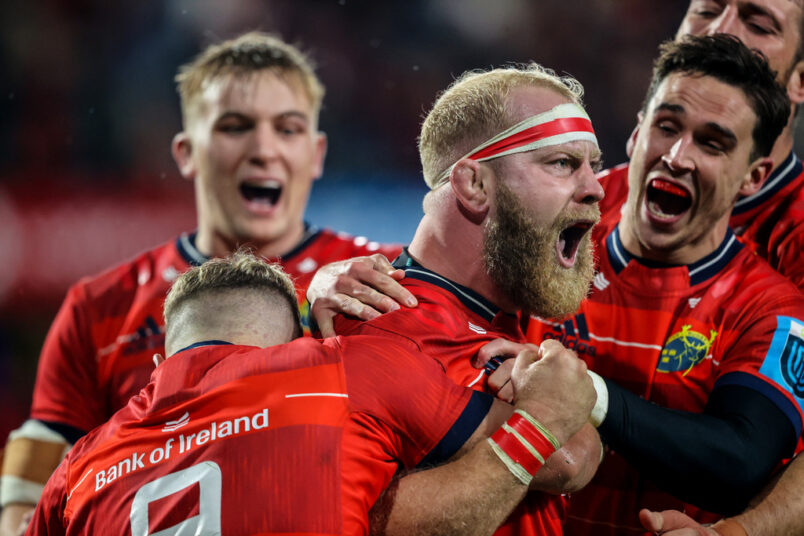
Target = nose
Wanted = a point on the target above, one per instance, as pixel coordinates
(589, 189)
(677, 158)
(264, 144)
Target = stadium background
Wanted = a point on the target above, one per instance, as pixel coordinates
(89, 109)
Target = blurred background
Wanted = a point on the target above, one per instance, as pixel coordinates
(89, 108)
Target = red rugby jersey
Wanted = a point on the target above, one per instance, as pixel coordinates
(771, 222)
(294, 439)
(99, 350)
(671, 334)
(451, 323)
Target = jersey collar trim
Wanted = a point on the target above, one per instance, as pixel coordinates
(699, 271)
(783, 175)
(203, 343)
(186, 245)
(311, 232)
(471, 299)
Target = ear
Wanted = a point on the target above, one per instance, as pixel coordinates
(320, 154)
(756, 176)
(795, 83)
(182, 150)
(629, 145)
(470, 182)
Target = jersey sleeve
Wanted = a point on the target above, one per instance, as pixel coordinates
(48, 517)
(430, 415)
(786, 254)
(768, 356)
(66, 380)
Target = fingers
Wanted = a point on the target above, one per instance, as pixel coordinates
(325, 325)
(650, 520)
(158, 359)
(325, 309)
(502, 348)
(672, 522)
(499, 382)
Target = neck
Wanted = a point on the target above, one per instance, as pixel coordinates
(213, 243)
(784, 143)
(687, 253)
(452, 247)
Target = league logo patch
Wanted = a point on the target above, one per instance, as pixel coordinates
(792, 360)
(685, 349)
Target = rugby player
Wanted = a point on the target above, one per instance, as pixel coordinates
(242, 431)
(690, 329)
(510, 156)
(252, 148)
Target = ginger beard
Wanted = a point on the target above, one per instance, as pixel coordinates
(520, 257)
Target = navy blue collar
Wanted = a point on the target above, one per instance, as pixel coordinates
(186, 246)
(471, 299)
(203, 343)
(699, 271)
(788, 170)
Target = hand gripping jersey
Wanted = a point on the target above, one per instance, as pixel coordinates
(99, 350)
(671, 334)
(771, 221)
(450, 324)
(294, 439)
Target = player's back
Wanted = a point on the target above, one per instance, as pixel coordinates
(252, 441)
(451, 323)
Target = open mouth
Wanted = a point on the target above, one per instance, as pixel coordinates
(265, 193)
(666, 199)
(568, 241)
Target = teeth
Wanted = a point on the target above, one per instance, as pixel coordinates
(273, 184)
(655, 209)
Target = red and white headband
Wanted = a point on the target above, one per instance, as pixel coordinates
(562, 124)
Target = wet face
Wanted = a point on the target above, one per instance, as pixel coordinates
(253, 152)
(689, 163)
(772, 26)
(537, 242)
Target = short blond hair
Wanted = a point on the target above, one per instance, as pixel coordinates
(474, 108)
(241, 271)
(243, 56)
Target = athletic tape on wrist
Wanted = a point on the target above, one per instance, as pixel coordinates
(523, 444)
(562, 124)
(602, 403)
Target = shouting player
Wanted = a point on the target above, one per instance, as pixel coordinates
(510, 156)
(694, 334)
(240, 433)
(252, 148)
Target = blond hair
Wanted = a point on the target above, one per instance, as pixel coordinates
(474, 108)
(243, 56)
(240, 271)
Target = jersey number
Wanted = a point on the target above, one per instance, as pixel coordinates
(206, 523)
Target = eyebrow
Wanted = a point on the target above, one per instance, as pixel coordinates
(673, 108)
(284, 115)
(752, 8)
(723, 132)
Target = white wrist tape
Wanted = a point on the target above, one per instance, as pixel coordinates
(29, 448)
(602, 402)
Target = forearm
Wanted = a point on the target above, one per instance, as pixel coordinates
(779, 509)
(472, 496)
(11, 518)
(715, 460)
(572, 467)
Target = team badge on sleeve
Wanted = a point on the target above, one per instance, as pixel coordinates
(786, 366)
